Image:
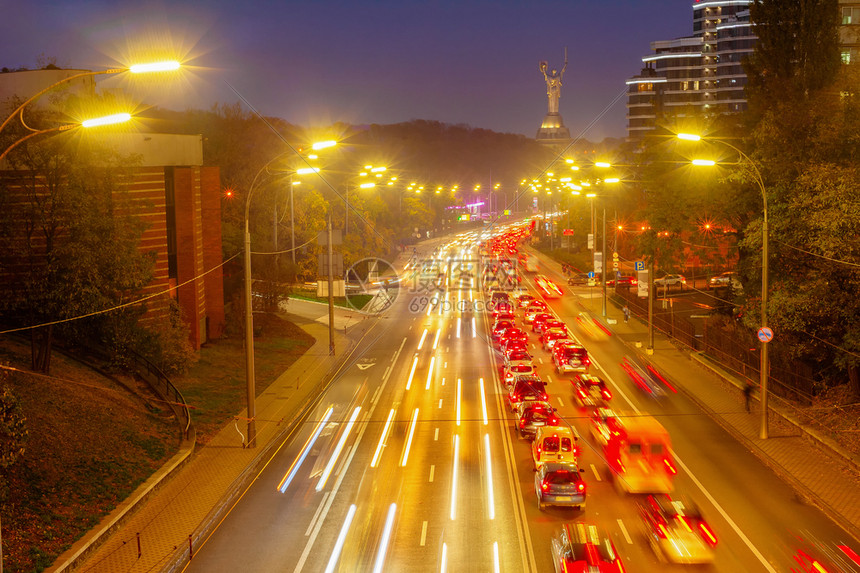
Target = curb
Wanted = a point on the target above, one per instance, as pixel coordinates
(93, 539)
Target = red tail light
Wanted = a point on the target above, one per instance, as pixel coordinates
(580, 486)
(607, 395)
(661, 531)
(582, 393)
(544, 486)
(553, 422)
(544, 397)
(708, 535)
(523, 423)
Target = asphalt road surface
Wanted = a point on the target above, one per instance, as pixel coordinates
(410, 463)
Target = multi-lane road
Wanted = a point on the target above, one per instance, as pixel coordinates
(409, 463)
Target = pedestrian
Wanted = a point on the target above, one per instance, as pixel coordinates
(626, 312)
(748, 388)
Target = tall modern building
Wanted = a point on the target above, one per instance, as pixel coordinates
(700, 73)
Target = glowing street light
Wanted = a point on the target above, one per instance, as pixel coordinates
(89, 123)
(763, 374)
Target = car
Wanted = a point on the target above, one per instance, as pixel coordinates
(581, 546)
(513, 344)
(516, 368)
(576, 279)
(516, 354)
(547, 288)
(646, 377)
(524, 300)
(560, 484)
(622, 280)
(590, 327)
(676, 530)
(527, 389)
(499, 327)
(514, 333)
(570, 357)
(722, 279)
(499, 313)
(671, 280)
(604, 422)
(534, 415)
(590, 391)
(554, 444)
(549, 337)
(539, 319)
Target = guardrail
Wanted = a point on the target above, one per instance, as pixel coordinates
(162, 385)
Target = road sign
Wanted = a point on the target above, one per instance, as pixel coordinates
(322, 237)
(507, 211)
(615, 265)
(614, 256)
(598, 262)
(590, 241)
(765, 334)
(322, 264)
(464, 217)
(591, 275)
(639, 265)
(567, 232)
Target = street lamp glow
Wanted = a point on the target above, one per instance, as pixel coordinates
(307, 170)
(591, 195)
(704, 162)
(602, 164)
(167, 66)
(612, 180)
(323, 144)
(107, 120)
(378, 169)
(367, 185)
(689, 136)
(574, 168)
(569, 161)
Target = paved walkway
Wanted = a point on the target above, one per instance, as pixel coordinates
(184, 506)
(827, 479)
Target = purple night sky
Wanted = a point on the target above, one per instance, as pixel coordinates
(377, 61)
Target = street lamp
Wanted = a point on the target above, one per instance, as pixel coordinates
(135, 69)
(763, 375)
(95, 122)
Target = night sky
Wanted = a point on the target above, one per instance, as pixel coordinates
(314, 63)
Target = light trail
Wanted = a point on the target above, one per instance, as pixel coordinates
(491, 498)
(382, 439)
(458, 327)
(458, 400)
(454, 479)
(444, 566)
(484, 403)
(496, 567)
(285, 482)
(408, 445)
(386, 536)
(338, 449)
(421, 342)
(412, 373)
(436, 340)
(430, 373)
(474, 328)
(341, 538)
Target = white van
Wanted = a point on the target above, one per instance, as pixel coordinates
(554, 444)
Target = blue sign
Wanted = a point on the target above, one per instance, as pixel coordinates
(639, 265)
(591, 275)
(765, 334)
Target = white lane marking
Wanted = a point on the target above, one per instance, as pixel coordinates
(317, 514)
(423, 336)
(458, 326)
(341, 538)
(436, 435)
(483, 402)
(432, 471)
(446, 365)
(338, 449)
(539, 359)
(491, 498)
(423, 534)
(436, 340)
(376, 393)
(560, 403)
(430, 373)
(444, 565)
(443, 381)
(624, 532)
(405, 457)
(394, 357)
(699, 484)
(440, 402)
(454, 479)
(548, 377)
(387, 368)
(596, 473)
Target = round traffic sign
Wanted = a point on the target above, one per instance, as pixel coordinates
(765, 334)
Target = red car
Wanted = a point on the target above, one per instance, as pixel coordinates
(590, 391)
(549, 337)
(513, 333)
(500, 327)
(582, 547)
(539, 318)
(515, 354)
(570, 357)
(544, 325)
(513, 344)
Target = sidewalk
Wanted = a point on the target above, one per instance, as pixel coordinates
(816, 468)
(183, 508)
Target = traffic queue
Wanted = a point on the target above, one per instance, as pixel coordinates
(635, 448)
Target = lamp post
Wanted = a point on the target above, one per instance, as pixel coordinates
(763, 374)
(135, 69)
